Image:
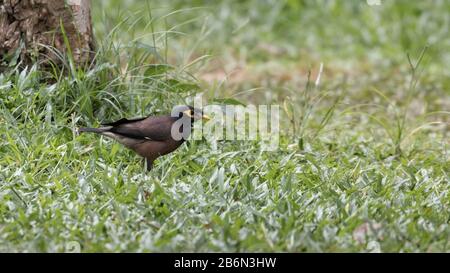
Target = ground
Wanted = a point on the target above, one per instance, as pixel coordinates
(363, 161)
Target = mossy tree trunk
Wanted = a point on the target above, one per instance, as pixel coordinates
(32, 31)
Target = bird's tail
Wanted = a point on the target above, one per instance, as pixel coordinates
(93, 130)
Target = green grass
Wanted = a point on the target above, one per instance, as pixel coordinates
(363, 163)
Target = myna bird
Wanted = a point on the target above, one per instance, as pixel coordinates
(151, 137)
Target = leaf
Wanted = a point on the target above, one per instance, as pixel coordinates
(156, 70)
(180, 87)
(150, 49)
(288, 108)
(99, 68)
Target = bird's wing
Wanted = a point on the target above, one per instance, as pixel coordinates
(123, 121)
(151, 128)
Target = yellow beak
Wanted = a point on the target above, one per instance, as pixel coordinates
(204, 117)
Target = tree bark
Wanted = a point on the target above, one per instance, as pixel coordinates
(33, 31)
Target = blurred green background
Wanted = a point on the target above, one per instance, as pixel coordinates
(363, 161)
(302, 32)
(241, 45)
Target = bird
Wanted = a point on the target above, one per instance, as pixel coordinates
(152, 136)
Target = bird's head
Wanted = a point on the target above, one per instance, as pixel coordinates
(190, 112)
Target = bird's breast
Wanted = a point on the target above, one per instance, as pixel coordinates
(153, 149)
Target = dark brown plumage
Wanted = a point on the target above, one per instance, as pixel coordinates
(150, 137)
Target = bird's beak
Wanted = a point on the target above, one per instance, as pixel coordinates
(206, 118)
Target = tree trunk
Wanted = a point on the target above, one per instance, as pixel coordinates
(33, 31)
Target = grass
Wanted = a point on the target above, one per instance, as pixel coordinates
(363, 162)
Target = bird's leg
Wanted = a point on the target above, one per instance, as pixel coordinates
(149, 164)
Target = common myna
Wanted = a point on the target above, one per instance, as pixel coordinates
(152, 137)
